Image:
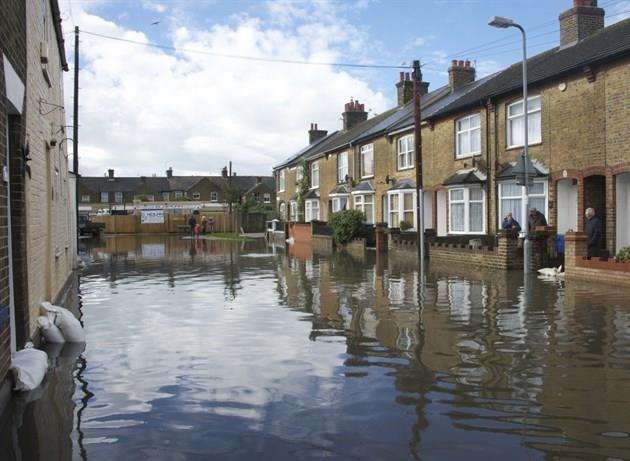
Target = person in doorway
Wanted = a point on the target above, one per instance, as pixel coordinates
(536, 219)
(509, 223)
(192, 222)
(593, 228)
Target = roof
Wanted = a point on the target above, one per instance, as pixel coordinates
(507, 172)
(293, 158)
(404, 184)
(312, 193)
(340, 189)
(364, 186)
(469, 176)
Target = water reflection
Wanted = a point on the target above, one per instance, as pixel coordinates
(230, 350)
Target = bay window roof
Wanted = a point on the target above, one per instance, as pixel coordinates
(508, 171)
(469, 176)
(404, 184)
(364, 186)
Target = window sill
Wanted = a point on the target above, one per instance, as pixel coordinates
(466, 233)
(367, 177)
(466, 156)
(405, 168)
(523, 145)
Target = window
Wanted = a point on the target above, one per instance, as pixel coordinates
(118, 197)
(405, 152)
(367, 161)
(85, 198)
(299, 174)
(467, 136)
(342, 167)
(293, 211)
(104, 197)
(283, 211)
(178, 194)
(339, 203)
(150, 198)
(315, 175)
(196, 196)
(166, 196)
(257, 197)
(281, 181)
(267, 197)
(312, 210)
(214, 196)
(511, 200)
(466, 210)
(402, 208)
(365, 203)
(516, 122)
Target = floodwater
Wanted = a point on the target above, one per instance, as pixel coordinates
(227, 350)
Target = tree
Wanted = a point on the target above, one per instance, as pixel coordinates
(346, 225)
(302, 189)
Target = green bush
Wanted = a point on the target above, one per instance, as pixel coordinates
(404, 225)
(346, 225)
(624, 254)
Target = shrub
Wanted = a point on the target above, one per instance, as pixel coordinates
(346, 225)
(624, 254)
(404, 225)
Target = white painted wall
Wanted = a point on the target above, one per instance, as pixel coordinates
(567, 206)
(623, 210)
(441, 213)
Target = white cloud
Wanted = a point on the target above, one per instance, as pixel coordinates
(143, 109)
(419, 42)
(153, 6)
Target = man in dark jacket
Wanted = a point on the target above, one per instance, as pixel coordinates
(509, 223)
(536, 219)
(593, 228)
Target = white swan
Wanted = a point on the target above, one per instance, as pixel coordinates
(290, 240)
(551, 271)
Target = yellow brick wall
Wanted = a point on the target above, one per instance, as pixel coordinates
(49, 247)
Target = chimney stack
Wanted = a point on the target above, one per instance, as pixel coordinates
(224, 172)
(580, 22)
(404, 88)
(314, 133)
(110, 173)
(460, 73)
(353, 114)
(169, 172)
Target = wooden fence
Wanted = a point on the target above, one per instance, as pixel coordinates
(173, 223)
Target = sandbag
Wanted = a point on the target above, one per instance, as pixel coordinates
(66, 321)
(49, 330)
(29, 368)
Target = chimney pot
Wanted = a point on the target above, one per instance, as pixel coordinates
(354, 113)
(454, 63)
(110, 173)
(460, 63)
(402, 76)
(461, 73)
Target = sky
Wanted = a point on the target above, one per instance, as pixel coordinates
(143, 109)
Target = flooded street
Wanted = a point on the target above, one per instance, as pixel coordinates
(229, 350)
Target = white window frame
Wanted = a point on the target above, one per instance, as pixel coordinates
(283, 211)
(404, 154)
(342, 167)
(509, 118)
(196, 195)
(470, 132)
(293, 214)
(524, 213)
(400, 210)
(118, 197)
(312, 213)
(367, 149)
(166, 196)
(337, 200)
(360, 202)
(85, 198)
(267, 197)
(178, 194)
(104, 197)
(281, 180)
(466, 201)
(315, 175)
(214, 196)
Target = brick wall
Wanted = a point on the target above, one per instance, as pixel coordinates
(579, 268)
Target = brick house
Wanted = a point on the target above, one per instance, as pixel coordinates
(472, 136)
(111, 190)
(36, 241)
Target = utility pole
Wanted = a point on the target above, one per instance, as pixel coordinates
(75, 130)
(417, 137)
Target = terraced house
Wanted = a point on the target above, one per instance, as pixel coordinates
(472, 130)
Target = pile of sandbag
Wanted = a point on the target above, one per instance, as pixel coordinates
(59, 325)
(29, 367)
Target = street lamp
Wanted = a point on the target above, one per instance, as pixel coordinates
(503, 23)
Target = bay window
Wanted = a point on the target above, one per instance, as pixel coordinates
(367, 161)
(339, 203)
(342, 167)
(312, 210)
(516, 122)
(315, 175)
(402, 208)
(511, 197)
(365, 203)
(281, 178)
(468, 136)
(466, 210)
(405, 152)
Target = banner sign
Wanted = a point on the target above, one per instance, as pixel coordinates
(152, 217)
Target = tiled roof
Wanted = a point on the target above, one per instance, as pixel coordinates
(340, 189)
(404, 184)
(363, 186)
(469, 176)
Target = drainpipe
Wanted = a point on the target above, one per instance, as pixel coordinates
(12, 327)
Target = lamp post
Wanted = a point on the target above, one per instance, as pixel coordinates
(504, 23)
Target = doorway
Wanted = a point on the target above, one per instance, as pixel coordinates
(567, 206)
(622, 183)
(595, 197)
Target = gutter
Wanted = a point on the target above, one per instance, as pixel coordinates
(56, 14)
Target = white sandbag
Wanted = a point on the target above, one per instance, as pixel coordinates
(29, 368)
(49, 330)
(66, 321)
